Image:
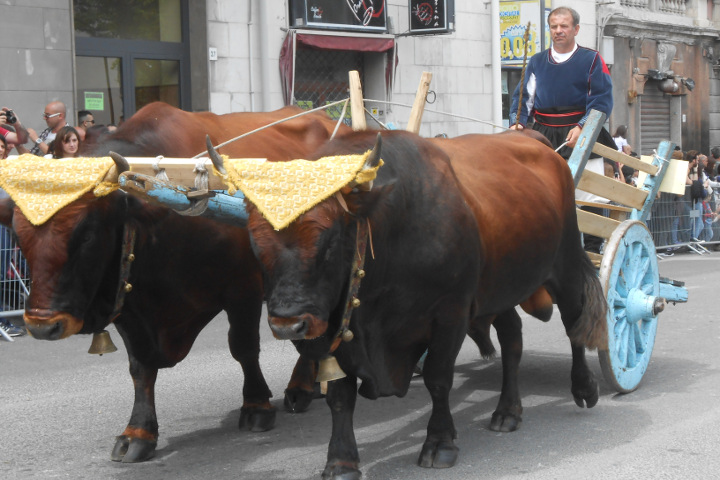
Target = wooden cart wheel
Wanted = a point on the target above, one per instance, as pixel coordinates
(630, 281)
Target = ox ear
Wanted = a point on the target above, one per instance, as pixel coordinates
(362, 202)
(6, 211)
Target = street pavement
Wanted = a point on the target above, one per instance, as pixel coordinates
(60, 410)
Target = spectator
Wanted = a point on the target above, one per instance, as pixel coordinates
(54, 116)
(18, 135)
(85, 121)
(715, 159)
(680, 225)
(700, 188)
(619, 137)
(3, 147)
(5, 256)
(630, 175)
(66, 144)
(708, 216)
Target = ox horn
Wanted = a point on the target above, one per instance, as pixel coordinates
(214, 156)
(374, 158)
(120, 162)
(121, 165)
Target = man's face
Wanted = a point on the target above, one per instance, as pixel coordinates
(702, 161)
(88, 122)
(53, 117)
(563, 32)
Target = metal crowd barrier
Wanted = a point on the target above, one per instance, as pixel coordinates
(14, 278)
(677, 220)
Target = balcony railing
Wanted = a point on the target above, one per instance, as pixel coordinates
(663, 6)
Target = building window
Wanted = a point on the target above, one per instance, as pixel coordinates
(129, 54)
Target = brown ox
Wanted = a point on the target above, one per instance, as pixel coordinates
(160, 129)
(75, 262)
(460, 235)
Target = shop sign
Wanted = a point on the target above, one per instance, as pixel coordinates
(432, 16)
(364, 15)
(94, 101)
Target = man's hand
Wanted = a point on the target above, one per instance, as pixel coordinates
(516, 126)
(572, 136)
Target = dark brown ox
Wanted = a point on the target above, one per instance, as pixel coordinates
(75, 262)
(456, 243)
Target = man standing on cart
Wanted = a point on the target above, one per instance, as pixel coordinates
(561, 85)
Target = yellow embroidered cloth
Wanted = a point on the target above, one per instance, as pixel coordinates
(40, 187)
(282, 191)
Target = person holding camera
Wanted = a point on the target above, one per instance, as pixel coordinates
(17, 137)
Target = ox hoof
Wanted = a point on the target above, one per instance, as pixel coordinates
(256, 419)
(132, 450)
(335, 471)
(438, 454)
(504, 422)
(587, 396)
(298, 400)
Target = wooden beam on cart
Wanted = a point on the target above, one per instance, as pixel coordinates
(418, 107)
(612, 189)
(620, 157)
(357, 105)
(588, 135)
(597, 225)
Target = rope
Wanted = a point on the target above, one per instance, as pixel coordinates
(160, 172)
(526, 37)
(273, 124)
(342, 115)
(376, 119)
(464, 117)
(201, 176)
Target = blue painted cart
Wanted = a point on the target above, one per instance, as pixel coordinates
(628, 267)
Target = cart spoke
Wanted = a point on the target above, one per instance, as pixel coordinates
(631, 347)
(640, 338)
(622, 344)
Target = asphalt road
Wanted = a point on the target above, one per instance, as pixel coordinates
(60, 410)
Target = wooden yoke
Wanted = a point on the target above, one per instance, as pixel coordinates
(357, 106)
(418, 107)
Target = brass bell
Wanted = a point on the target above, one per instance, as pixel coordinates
(347, 336)
(329, 370)
(131, 257)
(355, 302)
(128, 287)
(102, 343)
(361, 273)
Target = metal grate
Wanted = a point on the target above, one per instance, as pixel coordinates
(14, 279)
(321, 77)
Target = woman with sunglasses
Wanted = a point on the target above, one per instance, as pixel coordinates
(66, 144)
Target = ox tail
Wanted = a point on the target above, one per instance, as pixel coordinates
(590, 329)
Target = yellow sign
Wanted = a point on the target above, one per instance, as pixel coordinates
(514, 17)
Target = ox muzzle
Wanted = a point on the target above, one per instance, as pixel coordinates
(301, 327)
(50, 325)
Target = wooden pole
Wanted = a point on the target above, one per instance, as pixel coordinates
(418, 107)
(357, 107)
